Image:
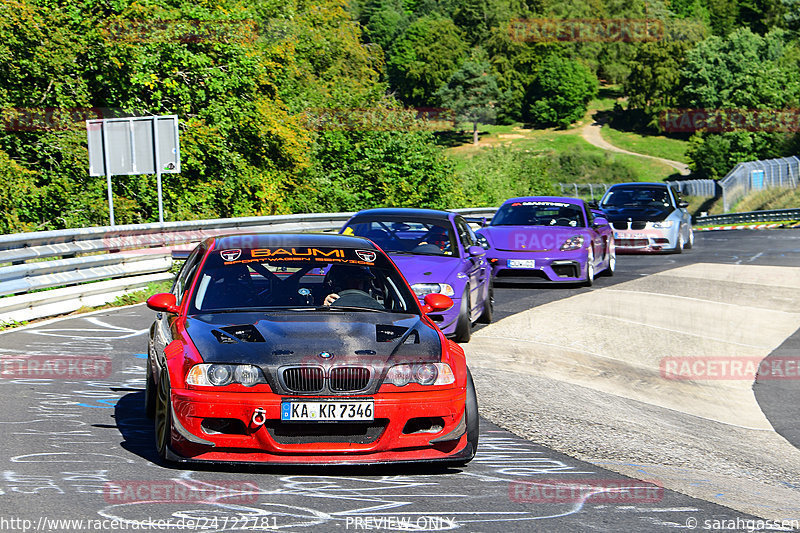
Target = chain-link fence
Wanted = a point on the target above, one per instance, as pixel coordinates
(756, 175)
(595, 191)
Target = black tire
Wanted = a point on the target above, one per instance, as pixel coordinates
(473, 421)
(149, 393)
(488, 307)
(463, 323)
(163, 417)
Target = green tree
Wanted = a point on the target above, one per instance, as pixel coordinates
(382, 157)
(653, 84)
(561, 92)
(424, 58)
(472, 93)
(743, 71)
(384, 21)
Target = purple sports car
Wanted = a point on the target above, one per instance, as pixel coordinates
(546, 238)
(437, 252)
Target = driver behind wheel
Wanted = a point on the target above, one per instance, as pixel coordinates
(342, 278)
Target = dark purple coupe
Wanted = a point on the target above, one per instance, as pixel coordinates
(437, 252)
(551, 239)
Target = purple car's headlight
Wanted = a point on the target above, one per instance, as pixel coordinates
(423, 289)
(573, 243)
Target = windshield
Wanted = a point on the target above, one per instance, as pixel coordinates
(303, 279)
(537, 213)
(406, 236)
(636, 197)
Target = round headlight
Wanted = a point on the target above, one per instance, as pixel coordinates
(399, 375)
(220, 374)
(426, 374)
(247, 375)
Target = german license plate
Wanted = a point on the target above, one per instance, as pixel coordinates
(332, 411)
(521, 263)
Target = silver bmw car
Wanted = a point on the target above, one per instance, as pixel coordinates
(648, 217)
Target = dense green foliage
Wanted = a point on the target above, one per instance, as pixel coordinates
(560, 93)
(297, 105)
(472, 93)
(249, 83)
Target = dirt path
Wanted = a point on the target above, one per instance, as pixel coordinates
(591, 132)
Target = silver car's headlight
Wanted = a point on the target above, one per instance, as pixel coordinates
(423, 289)
(664, 224)
(219, 375)
(573, 243)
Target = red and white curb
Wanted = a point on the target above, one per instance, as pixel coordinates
(757, 226)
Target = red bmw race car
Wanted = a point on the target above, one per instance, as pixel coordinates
(304, 349)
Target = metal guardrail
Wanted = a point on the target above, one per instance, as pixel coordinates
(776, 215)
(132, 256)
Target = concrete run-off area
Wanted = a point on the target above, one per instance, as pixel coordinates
(588, 376)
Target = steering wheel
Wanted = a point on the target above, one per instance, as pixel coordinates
(356, 298)
(563, 221)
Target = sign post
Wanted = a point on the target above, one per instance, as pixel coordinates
(134, 145)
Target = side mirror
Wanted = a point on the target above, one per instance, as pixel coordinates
(600, 221)
(683, 204)
(163, 302)
(476, 251)
(435, 302)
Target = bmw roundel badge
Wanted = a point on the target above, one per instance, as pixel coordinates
(326, 355)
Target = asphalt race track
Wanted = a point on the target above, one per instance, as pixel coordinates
(82, 450)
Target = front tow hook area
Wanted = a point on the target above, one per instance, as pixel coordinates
(259, 417)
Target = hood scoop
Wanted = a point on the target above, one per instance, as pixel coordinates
(389, 333)
(234, 334)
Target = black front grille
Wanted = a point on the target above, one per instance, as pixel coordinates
(631, 243)
(349, 378)
(302, 433)
(638, 224)
(303, 379)
(521, 273)
(620, 225)
(566, 270)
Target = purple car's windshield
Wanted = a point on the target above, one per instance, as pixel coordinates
(406, 236)
(539, 213)
(301, 279)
